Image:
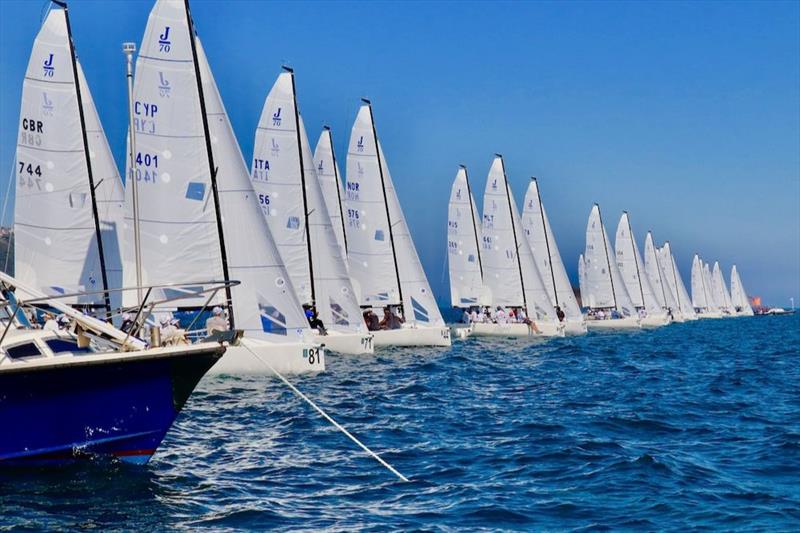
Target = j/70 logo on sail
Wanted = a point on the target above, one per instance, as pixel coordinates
(49, 69)
(164, 43)
(276, 117)
(360, 144)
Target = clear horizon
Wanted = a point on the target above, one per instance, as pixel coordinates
(687, 115)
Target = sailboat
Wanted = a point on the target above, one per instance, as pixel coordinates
(510, 272)
(739, 299)
(548, 259)
(675, 283)
(285, 179)
(719, 291)
(192, 177)
(657, 276)
(384, 264)
(69, 196)
(463, 249)
(702, 301)
(584, 290)
(630, 265)
(610, 305)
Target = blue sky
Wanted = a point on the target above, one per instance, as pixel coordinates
(685, 114)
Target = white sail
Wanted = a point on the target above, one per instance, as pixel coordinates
(739, 299)
(631, 266)
(582, 282)
(545, 252)
(56, 243)
(382, 257)
(699, 296)
(603, 280)
(675, 281)
(720, 289)
(655, 273)
(169, 125)
(510, 272)
(464, 261)
(328, 176)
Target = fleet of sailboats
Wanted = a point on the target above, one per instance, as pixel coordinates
(323, 265)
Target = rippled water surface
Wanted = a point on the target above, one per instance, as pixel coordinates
(694, 424)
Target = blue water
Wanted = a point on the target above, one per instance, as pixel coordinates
(695, 424)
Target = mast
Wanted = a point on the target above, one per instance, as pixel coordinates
(474, 222)
(86, 154)
(514, 232)
(635, 259)
(128, 49)
(386, 204)
(608, 261)
(211, 167)
(338, 185)
(546, 240)
(302, 184)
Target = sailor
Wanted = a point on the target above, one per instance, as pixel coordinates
(465, 317)
(217, 321)
(560, 314)
(50, 323)
(500, 316)
(371, 320)
(390, 319)
(473, 315)
(615, 314)
(127, 322)
(600, 315)
(313, 319)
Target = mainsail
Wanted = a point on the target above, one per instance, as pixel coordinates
(545, 252)
(328, 176)
(684, 303)
(631, 266)
(292, 200)
(739, 297)
(68, 191)
(464, 260)
(655, 273)
(384, 264)
(603, 279)
(701, 293)
(720, 289)
(510, 271)
(192, 177)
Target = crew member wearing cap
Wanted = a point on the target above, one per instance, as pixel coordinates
(217, 321)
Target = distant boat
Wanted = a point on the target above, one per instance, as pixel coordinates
(548, 259)
(463, 249)
(191, 177)
(720, 291)
(739, 299)
(630, 265)
(89, 391)
(384, 264)
(610, 305)
(510, 272)
(69, 195)
(657, 276)
(293, 205)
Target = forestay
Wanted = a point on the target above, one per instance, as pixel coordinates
(603, 280)
(510, 272)
(631, 266)
(382, 257)
(543, 245)
(328, 176)
(464, 261)
(56, 247)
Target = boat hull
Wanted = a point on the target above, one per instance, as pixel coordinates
(347, 343)
(629, 322)
(413, 336)
(120, 406)
(654, 321)
(250, 355)
(548, 329)
(710, 315)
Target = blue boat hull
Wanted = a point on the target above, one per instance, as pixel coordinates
(121, 408)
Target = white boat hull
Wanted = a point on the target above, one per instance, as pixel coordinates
(710, 315)
(654, 321)
(630, 322)
(413, 335)
(347, 343)
(547, 329)
(287, 358)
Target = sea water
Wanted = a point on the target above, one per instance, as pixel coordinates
(695, 424)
